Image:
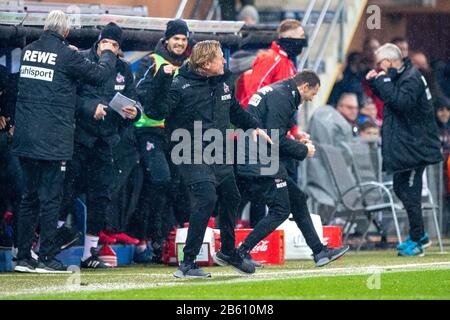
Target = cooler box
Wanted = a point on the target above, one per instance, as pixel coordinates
(268, 251)
(295, 244)
(205, 256)
(332, 236)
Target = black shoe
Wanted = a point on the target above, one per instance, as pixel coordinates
(328, 255)
(248, 258)
(26, 265)
(51, 266)
(221, 259)
(238, 263)
(190, 270)
(94, 262)
(66, 237)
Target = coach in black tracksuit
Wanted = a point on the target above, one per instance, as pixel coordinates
(275, 106)
(44, 131)
(409, 132)
(96, 134)
(202, 93)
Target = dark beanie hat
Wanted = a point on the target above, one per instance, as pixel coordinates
(112, 31)
(175, 27)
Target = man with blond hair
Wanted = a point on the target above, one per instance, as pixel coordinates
(202, 94)
(44, 132)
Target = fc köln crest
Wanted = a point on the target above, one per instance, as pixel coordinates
(226, 88)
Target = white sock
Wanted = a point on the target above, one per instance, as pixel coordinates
(60, 223)
(89, 242)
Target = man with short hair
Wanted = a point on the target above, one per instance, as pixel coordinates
(348, 108)
(44, 132)
(202, 94)
(410, 139)
(274, 106)
(276, 63)
(170, 54)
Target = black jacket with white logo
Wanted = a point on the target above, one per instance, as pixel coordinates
(89, 130)
(409, 132)
(206, 100)
(275, 106)
(47, 96)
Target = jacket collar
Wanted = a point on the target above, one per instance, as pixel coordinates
(52, 34)
(277, 48)
(292, 87)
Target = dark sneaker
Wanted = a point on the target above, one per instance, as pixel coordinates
(238, 263)
(51, 266)
(248, 258)
(328, 255)
(221, 259)
(94, 262)
(190, 270)
(224, 260)
(26, 265)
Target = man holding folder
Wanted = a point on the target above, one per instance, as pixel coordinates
(97, 132)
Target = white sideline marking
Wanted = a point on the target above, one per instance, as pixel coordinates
(236, 278)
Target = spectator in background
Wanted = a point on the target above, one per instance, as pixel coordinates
(44, 133)
(368, 55)
(351, 81)
(276, 63)
(368, 113)
(249, 15)
(420, 61)
(402, 44)
(369, 131)
(228, 8)
(347, 106)
(442, 106)
(369, 48)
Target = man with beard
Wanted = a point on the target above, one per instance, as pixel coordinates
(170, 54)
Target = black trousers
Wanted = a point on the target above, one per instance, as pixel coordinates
(11, 187)
(157, 180)
(408, 188)
(204, 196)
(41, 202)
(282, 197)
(90, 172)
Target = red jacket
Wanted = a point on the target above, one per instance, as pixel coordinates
(270, 66)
